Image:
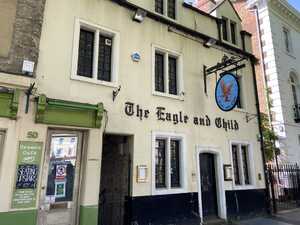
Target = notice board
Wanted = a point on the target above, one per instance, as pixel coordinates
(27, 173)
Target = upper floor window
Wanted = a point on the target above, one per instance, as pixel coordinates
(168, 162)
(233, 32)
(294, 86)
(240, 103)
(167, 73)
(225, 28)
(166, 7)
(95, 56)
(287, 40)
(241, 160)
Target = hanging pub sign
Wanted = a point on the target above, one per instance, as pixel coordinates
(227, 92)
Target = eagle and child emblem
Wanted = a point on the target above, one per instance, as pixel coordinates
(227, 92)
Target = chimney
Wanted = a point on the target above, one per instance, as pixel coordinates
(205, 5)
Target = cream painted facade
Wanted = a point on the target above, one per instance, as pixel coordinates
(56, 78)
(274, 17)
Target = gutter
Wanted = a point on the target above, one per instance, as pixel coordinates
(168, 22)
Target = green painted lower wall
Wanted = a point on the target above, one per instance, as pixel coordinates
(88, 215)
(27, 217)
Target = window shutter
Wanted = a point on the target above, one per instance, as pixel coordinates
(159, 72)
(159, 6)
(172, 9)
(104, 58)
(175, 166)
(85, 53)
(173, 76)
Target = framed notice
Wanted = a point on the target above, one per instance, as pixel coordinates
(60, 189)
(227, 172)
(27, 173)
(142, 173)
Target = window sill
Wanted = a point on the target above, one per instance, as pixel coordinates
(94, 81)
(163, 191)
(161, 94)
(244, 187)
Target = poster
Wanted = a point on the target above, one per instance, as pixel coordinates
(27, 172)
(60, 189)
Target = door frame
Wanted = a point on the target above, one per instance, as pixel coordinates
(220, 188)
(45, 168)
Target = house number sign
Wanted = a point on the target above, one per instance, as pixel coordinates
(163, 115)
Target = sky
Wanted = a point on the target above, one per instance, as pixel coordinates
(295, 3)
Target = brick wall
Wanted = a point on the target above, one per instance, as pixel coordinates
(249, 24)
(25, 39)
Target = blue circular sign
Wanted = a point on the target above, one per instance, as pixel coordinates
(227, 92)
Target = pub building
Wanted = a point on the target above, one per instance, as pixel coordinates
(138, 112)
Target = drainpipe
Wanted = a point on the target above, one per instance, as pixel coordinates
(261, 137)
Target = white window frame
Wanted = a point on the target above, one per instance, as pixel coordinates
(289, 37)
(79, 23)
(180, 85)
(165, 10)
(251, 167)
(236, 36)
(183, 175)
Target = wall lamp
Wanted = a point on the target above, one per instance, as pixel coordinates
(210, 42)
(139, 15)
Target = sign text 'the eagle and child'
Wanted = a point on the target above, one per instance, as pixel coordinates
(132, 109)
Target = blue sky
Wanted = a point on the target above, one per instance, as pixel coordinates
(295, 3)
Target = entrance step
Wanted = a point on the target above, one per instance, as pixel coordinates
(215, 222)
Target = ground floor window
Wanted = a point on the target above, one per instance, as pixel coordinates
(241, 159)
(168, 162)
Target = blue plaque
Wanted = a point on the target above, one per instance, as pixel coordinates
(227, 92)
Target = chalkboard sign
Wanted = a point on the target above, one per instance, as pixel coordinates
(27, 176)
(27, 172)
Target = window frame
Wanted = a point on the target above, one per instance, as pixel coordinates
(179, 78)
(97, 29)
(251, 168)
(166, 8)
(227, 30)
(234, 24)
(182, 163)
(287, 34)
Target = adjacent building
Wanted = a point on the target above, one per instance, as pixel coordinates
(275, 28)
(108, 114)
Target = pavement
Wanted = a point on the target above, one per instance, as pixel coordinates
(291, 217)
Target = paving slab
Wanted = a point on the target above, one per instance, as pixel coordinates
(263, 221)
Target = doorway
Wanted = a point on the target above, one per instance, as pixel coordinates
(208, 186)
(211, 190)
(60, 178)
(115, 190)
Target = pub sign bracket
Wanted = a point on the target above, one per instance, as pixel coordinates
(233, 62)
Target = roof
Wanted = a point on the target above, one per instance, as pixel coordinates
(221, 3)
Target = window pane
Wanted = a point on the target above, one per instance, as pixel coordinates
(286, 40)
(104, 58)
(294, 94)
(235, 161)
(239, 101)
(172, 9)
(173, 75)
(85, 53)
(224, 29)
(233, 32)
(175, 165)
(160, 163)
(159, 6)
(159, 72)
(245, 164)
(61, 173)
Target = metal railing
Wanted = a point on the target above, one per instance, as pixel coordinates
(284, 186)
